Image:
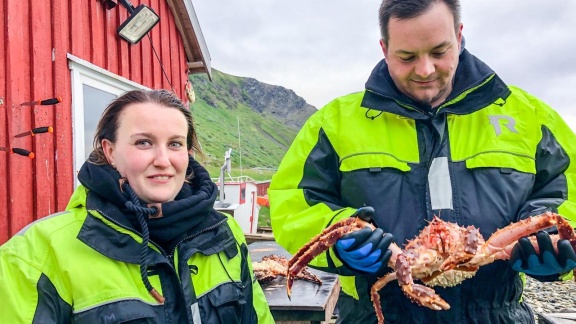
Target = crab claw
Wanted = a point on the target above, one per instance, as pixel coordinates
(425, 296)
(319, 244)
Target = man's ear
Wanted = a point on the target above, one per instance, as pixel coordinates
(460, 37)
(108, 148)
(384, 48)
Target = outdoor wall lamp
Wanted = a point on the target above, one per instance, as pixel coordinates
(141, 20)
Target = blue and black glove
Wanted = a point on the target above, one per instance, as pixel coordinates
(365, 250)
(546, 265)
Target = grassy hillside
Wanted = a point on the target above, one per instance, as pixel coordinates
(222, 116)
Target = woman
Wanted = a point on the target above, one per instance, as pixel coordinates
(139, 240)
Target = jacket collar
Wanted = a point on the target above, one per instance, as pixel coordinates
(116, 238)
(177, 218)
(121, 243)
(475, 87)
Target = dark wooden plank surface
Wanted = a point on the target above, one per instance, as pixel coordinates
(310, 301)
(251, 238)
(557, 318)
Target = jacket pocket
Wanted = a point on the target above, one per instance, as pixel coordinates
(116, 312)
(373, 160)
(503, 160)
(226, 304)
(496, 184)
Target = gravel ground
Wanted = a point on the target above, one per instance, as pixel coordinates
(551, 297)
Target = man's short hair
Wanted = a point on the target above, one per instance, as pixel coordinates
(407, 9)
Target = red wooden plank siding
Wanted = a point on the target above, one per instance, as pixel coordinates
(124, 51)
(20, 202)
(165, 43)
(155, 34)
(41, 41)
(80, 29)
(64, 173)
(146, 61)
(146, 47)
(174, 61)
(4, 223)
(178, 69)
(112, 23)
(182, 70)
(97, 30)
(135, 55)
(136, 62)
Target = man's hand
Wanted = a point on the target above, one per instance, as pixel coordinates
(365, 250)
(546, 265)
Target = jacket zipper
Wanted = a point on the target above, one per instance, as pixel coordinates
(407, 106)
(130, 230)
(170, 256)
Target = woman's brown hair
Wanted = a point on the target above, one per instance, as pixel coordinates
(110, 120)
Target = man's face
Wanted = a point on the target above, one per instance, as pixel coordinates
(422, 54)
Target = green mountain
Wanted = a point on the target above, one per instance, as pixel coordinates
(257, 120)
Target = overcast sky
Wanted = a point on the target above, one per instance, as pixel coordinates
(325, 49)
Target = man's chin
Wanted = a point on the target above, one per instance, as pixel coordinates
(427, 101)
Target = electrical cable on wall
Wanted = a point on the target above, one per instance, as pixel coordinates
(161, 65)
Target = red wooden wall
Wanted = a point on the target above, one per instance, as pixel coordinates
(34, 42)
(262, 187)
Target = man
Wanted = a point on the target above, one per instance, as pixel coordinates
(436, 132)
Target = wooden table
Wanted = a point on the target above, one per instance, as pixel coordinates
(311, 303)
(557, 318)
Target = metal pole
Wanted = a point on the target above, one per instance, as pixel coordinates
(239, 148)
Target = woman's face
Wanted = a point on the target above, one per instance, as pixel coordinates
(150, 150)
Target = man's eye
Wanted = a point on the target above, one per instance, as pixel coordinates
(407, 58)
(440, 54)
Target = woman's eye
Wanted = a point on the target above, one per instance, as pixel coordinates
(143, 143)
(176, 144)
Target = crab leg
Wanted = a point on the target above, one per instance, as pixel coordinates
(565, 232)
(375, 296)
(500, 244)
(419, 294)
(319, 244)
(506, 253)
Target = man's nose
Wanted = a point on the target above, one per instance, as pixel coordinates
(424, 67)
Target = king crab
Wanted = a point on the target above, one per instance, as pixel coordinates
(273, 266)
(443, 254)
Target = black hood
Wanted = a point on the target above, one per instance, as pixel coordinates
(383, 95)
(185, 214)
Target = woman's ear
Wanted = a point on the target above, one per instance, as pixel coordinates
(108, 148)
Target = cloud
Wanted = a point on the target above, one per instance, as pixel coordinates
(325, 49)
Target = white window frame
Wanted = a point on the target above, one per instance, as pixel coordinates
(86, 73)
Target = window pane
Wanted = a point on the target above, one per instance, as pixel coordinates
(95, 101)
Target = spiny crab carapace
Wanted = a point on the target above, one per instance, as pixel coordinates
(443, 254)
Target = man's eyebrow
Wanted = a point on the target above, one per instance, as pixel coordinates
(441, 45)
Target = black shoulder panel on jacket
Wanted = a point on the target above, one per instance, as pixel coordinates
(51, 308)
(321, 179)
(551, 163)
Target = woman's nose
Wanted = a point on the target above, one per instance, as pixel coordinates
(162, 159)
